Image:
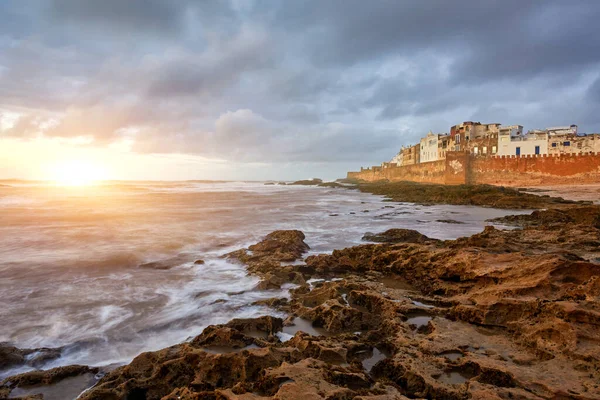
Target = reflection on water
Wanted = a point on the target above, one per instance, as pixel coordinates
(69, 256)
(68, 388)
(306, 326)
(375, 357)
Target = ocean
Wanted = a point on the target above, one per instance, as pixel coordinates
(70, 257)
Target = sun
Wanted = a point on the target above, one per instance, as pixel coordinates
(77, 173)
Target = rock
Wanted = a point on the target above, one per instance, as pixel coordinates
(39, 357)
(47, 377)
(332, 185)
(504, 314)
(308, 182)
(159, 265)
(479, 195)
(397, 236)
(449, 221)
(199, 262)
(10, 356)
(69, 381)
(267, 324)
(222, 336)
(276, 247)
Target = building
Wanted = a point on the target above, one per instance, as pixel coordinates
(480, 130)
(524, 145)
(483, 146)
(574, 144)
(443, 146)
(398, 158)
(506, 134)
(428, 148)
(510, 131)
(411, 155)
(562, 130)
(462, 133)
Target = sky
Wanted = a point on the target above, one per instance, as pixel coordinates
(257, 90)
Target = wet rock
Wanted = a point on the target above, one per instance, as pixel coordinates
(479, 195)
(267, 324)
(70, 381)
(277, 246)
(449, 221)
(47, 377)
(520, 319)
(10, 355)
(199, 262)
(397, 236)
(332, 185)
(159, 265)
(308, 182)
(219, 336)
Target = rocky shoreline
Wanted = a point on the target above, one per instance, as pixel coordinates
(501, 314)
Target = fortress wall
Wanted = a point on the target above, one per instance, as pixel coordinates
(430, 172)
(460, 168)
(536, 170)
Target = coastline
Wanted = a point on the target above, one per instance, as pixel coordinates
(500, 313)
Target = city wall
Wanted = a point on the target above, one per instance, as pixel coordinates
(462, 168)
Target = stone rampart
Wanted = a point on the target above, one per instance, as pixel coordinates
(460, 168)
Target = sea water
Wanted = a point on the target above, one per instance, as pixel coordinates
(70, 257)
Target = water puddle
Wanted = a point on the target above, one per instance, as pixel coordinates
(256, 334)
(305, 326)
(418, 319)
(452, 355)
(421, 304)
(454, 377)
(69, 388)
(370, 362)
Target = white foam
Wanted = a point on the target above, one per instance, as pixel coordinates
(69, 268)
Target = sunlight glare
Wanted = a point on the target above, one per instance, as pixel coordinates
(77, 173)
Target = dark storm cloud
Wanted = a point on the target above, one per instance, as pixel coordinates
(300, 82)
(137, 14)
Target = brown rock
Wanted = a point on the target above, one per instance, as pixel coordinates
(397, 236)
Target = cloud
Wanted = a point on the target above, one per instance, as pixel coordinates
(292, 82)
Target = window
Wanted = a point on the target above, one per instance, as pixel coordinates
(554, 144)
(494, 150)
(484, 150)
(537, 149)
(518, 151)
(566, 143)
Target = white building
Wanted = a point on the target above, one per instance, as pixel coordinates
(429, 148)
(562, 130)
(530, 144)
(510, 130)
(398, 158)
